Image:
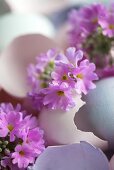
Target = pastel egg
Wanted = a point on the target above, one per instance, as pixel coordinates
(99, 110)
(34, 6)
(80, 156)
(15, 59)
(14, 25)
(59, 127)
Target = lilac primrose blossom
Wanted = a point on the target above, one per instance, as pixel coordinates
(83, 22)
(107, 24)
(96, 23)
(90, 16)
(39, 73)
(79, 74)
(23, 156)
(21, 140)
(71, 57)
(63, 85)
(76, 33)
(10, 124)
(84, 75)
(59, 97)
(62, 73)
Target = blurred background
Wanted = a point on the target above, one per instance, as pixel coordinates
(48, 17)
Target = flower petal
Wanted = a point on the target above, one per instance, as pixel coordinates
(15, 59)
(80, 156)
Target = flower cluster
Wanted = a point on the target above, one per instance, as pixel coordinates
(92, 29)
(21, 140)
(61, 77)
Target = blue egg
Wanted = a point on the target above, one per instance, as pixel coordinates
(97, 115)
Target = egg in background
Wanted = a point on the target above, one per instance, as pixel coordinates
(14, 25)
(97, 115)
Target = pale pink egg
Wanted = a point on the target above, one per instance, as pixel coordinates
(15, 59)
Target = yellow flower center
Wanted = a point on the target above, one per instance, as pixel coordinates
(95, 21)
(65, 77)
(10, 127)
(22, 153)
(60, 93)
(111, 26)
(80, 76)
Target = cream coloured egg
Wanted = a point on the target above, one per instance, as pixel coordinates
(14, 25)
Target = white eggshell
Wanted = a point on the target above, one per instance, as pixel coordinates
(99, 110)
(59, 127)
(14, 25)
(15, 60)
(34, 6)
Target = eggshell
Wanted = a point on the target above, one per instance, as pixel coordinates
(15, 60)
(34, 6)
(59, 127)
(79, 156)
(14, 25)
(99, 110)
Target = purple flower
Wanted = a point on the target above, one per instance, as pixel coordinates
(36, 100)
(106, 72)
(39, 73)
(10, 124)
(23, 156)
(35, 140)
(64, 65)
(107, 24)
(84, 22)
(7, 162)
(21, 138)
(45, 58)
(84, 75)
(30, 122)
(6, 107)
(59, 97)
(90, 16)
(61, 74)
(76, 33)
(62, 85)
(72, 57)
